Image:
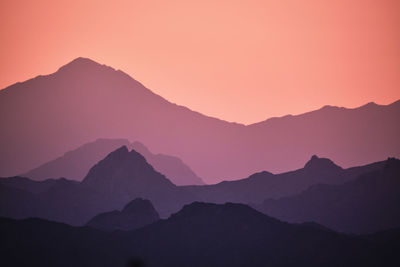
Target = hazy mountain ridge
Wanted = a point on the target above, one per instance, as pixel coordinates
(62, 104)
(75, 164)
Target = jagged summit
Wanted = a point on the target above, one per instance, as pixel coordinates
(323, 164)
(119, 162)
(123, 150)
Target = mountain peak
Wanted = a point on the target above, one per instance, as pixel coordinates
(125, 172)
(82, 64)
(137, 213)
(321, 164)
(119, 153)
(137, 204)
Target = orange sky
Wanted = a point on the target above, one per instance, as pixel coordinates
(240, 61)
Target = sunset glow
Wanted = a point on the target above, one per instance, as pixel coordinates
(241, 61)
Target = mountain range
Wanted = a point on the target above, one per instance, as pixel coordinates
(75, 164)
(259, 186)
(364, 205)
(46, 116)
(200, 234)
(315, 193)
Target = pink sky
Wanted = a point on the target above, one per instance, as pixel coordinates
(240, 61)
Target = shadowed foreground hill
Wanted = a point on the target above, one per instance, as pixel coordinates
(137, 213)
(367, 204)
(199, 235)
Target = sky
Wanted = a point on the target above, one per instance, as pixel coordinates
(242, 61)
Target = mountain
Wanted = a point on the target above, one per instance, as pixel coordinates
(172, 167)
(200, 234)
(75, 164)
(137, 213)
(365, 205)
(84, 101)
(124, 175)
(119, 178)
(259, 186)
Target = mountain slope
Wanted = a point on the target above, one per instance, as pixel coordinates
(75, 164)
(260, 186)
(124, 175)
(367, 204)
(200, 234)
(119, 178)
(84, 101)
(172, 167)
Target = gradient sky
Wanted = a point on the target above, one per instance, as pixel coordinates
(240, 61)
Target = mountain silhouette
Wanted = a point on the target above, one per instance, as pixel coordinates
(75, 164)
(201, 234)
(84, 101)
(259, 186)
(119, 178)
(137, 213)
(365, 205)
(124, 175)
(172, 167)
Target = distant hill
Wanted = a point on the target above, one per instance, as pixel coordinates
(365, 205)
(75, 164)
(43, 117)
(137, 213)
(259, 186)
(200, 234)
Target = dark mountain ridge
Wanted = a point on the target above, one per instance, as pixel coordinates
(255, 188)
(124, 175)
(200, 234)
(136, 214)
(364, 205)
